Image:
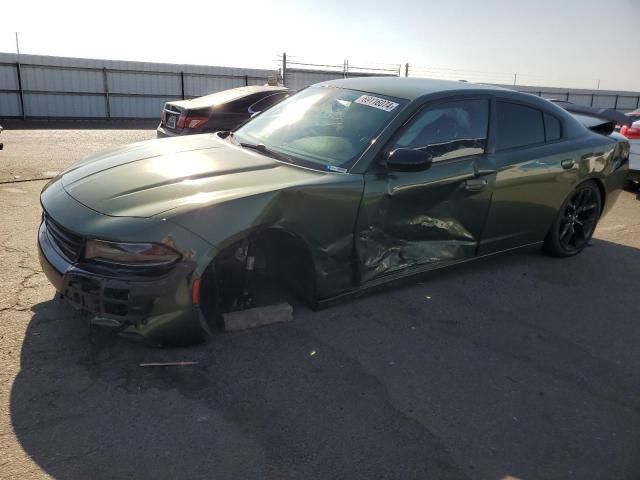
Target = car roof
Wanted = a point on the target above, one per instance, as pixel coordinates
(407, 88)
(226, 96)
(415, 89)
(261, 88)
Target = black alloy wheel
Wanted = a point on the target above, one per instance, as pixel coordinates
(576, 221)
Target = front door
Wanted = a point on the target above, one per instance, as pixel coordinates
(417, 220)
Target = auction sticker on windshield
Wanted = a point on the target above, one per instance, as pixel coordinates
(376, 102)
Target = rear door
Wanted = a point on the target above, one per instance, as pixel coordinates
(536, 169)
(418, 220)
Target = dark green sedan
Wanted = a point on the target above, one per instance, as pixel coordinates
(345, 186)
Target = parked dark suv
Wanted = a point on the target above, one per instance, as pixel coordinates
(224, 110)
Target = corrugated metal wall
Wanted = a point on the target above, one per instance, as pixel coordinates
(9, 99)
(297, 78)
(77, 87)
(623, 101)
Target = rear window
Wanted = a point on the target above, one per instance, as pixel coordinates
(552, 128)
(263, 104)
(217, 98)
(518, 126)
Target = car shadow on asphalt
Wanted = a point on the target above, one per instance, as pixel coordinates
(398, 384)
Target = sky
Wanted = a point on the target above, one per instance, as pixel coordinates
(571, 43)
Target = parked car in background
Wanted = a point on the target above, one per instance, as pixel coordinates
(343, 187)
(632, 132)
(224, 110)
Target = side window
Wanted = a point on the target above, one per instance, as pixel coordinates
(518, 126)
(266, 102)
(552, 128)
(449, 130)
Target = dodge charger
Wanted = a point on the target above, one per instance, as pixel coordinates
(341, 188)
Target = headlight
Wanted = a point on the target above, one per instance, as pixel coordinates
(131, 254)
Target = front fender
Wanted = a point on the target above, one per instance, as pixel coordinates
(322, 215)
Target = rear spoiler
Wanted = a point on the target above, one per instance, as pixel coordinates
(606, 114)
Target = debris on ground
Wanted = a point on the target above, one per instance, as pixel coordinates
(167, 364)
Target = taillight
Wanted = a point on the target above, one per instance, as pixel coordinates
(630, 132)
(191, 122)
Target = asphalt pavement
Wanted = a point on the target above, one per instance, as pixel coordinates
(519, 367)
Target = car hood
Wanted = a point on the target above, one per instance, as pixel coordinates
(151, 178)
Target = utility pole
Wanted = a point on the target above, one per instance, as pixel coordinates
(515, 78)
(406, 69)
(19, 74)
(284, 69)
(598, 87)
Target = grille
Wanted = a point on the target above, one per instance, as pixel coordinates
(67, 242)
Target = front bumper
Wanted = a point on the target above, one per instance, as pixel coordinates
(155, 309)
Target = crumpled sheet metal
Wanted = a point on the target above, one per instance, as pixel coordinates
(386, 254)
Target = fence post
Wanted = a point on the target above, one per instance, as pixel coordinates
(284, 69)
(615, 104)
(105, 82)
(182, 85)
(567, 96)
(638, 102)
(406, 69)
(246, 80)
(593, 95)
(20, 92)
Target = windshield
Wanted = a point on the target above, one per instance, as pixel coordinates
(322, 127)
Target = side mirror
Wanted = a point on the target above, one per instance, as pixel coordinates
(408, 160)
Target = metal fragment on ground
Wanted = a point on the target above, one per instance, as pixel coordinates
(167, 364)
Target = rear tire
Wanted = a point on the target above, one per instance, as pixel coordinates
(576, 221)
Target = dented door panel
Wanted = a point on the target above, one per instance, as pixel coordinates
(416, 219)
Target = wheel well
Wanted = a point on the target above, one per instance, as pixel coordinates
(264, 267)
(601, 189)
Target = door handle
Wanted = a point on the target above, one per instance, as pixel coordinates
(476, 184)
(567, 163)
